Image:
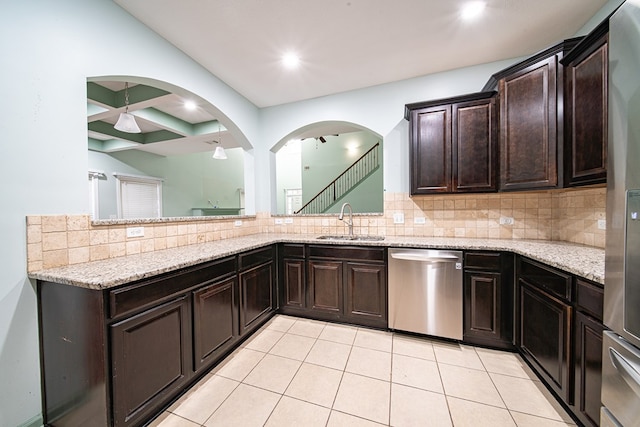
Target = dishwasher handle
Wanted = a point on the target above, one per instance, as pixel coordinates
(416, 256)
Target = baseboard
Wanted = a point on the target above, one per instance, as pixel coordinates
(33, 422)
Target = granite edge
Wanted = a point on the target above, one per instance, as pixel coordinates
(113, 272)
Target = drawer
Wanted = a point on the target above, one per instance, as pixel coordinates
(293, 251)
(149, 292)
(347, 252)
(482, 260)
(553, 281)
(256, 257)
(590, 298)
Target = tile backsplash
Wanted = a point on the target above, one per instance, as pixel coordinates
(562, 215)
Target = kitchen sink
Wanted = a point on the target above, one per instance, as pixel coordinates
(353, 238)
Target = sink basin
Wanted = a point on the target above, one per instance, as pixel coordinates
(354, 238)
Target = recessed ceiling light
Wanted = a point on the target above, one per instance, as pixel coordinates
(472, 10)
(290, 60)
(190, 105)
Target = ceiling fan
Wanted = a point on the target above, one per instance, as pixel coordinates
(320, 138)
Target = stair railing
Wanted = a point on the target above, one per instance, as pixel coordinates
(345, 182)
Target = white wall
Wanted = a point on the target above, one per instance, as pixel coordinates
(48, 50)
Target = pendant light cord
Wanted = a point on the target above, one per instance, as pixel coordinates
(126, 97)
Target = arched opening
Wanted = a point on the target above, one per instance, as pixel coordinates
(324, 164)
(173, 152)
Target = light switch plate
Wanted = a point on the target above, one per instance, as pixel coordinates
(278, 221)
(602, 224)
(419, 220)
(288, 220)
(135, 231)
(238, 223)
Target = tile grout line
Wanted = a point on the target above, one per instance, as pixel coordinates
(262, 329)
(297, 370)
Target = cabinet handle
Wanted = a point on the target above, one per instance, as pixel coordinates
(424, 258)
(626, 369)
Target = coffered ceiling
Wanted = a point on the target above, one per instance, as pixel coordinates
(167, 126)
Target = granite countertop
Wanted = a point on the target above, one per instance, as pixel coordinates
(584, 261)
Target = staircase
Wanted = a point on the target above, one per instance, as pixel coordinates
(344, 183)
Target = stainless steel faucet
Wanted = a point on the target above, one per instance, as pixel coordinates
(349, 222)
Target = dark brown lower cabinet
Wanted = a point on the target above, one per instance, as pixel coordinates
(483, 305)
(559, 319)
(118, 356)
(258, 298)
(292, 279)
(325, 287)
(488, 299)
(545, 337)
(339, 283)
(151, 360)
(73, 356)
(588, 369)
(293, 283)
(366, 294)
(215, 321)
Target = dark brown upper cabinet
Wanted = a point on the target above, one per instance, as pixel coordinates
(586, 115)
(531, 121)
(453, 144)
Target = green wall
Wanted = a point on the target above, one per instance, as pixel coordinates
(190, 180)
(323, 162)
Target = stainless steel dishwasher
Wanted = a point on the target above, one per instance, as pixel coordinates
(425, 291)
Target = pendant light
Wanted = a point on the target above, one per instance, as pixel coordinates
(127, 122)
(219, 151)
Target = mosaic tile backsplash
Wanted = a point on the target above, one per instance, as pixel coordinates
(557, 215)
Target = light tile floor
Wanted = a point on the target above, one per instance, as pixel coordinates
(298, 372)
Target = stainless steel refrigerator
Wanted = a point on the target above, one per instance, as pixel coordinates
(621, 345)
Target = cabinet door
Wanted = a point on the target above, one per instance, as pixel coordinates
(474, 146)
(366, 294)
(528, 140)
(482, 306)
(215, 321)
(256, 296)
(588, 369)
(293, 283)
(586, 118)
(325, 286)
(151, 360)
(430, 154)
(545, 328)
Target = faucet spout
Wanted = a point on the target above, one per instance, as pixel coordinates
(349, 222)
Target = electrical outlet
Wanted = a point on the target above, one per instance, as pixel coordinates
(135, 231)
(288, 220)
(278, 221)
(398, 218)
(419, 220)
(238, 223)
(602, 224)
(506, 220)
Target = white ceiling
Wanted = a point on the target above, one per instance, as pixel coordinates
(351, 44)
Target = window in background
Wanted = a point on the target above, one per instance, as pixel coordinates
(293, 200)
(138, 196)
